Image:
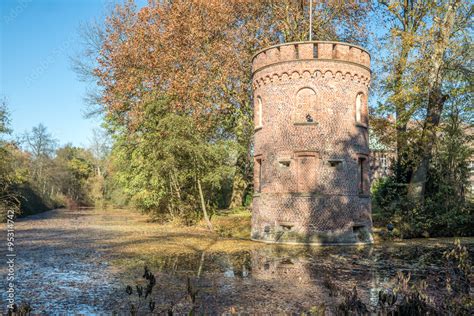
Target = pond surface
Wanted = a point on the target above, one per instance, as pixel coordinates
(81, 261)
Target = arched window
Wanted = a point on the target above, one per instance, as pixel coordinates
(358, 107)
(361, 109)
(258, 113)
(305, 111)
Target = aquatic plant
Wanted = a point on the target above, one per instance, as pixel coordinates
(458, 269)
(413, 297)
(192, 294)
(352, 304)
(23, 310)
(143, 293)
(143, 300)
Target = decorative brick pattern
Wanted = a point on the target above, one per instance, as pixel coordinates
(309, 145)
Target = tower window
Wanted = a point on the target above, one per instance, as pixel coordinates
(259, 113)
(358, 107)
(336, 164)
(361, 109)
(258, 175)
(363, 176)
(305, 107)
(307, 172)
(284, 163)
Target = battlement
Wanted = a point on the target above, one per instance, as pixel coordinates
(318, 50)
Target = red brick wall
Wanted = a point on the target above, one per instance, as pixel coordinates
(309, 142)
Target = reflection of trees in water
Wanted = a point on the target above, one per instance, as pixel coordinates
(291, 279)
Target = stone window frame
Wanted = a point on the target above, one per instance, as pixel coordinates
(259, 114)
(295, 118)
(284, 162)
(363, 176)
(361, 110)
(339, 167)
(258, 159)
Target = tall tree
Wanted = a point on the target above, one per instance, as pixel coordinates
(169, 170)
(198, 54)
(73, 166)
(442, 40)
(406, 20)
(8, 199)
(41, 144)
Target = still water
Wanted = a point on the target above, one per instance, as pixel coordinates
(292, 280)
(80, 262)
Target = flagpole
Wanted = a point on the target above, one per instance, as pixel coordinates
(310, 20)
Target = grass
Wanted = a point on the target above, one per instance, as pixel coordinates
(132, 239)
(233, 224)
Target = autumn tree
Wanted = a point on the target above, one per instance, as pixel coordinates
(100, 147)
(169, 170)
(41, 145)
(197, 55)
(406, 20)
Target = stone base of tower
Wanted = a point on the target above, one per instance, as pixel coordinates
(299, 218)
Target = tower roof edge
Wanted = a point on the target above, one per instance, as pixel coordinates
(308, 42)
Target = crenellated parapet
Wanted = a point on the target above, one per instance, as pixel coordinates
(315, 60)
(320, 50)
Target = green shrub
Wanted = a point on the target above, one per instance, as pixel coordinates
(442, 214)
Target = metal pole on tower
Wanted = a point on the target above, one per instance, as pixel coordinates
(310, 20)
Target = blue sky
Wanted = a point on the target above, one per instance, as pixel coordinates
(38, 38)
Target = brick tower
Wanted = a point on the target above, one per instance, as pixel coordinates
(311, 155)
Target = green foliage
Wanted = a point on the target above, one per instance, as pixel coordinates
(41, 177)
(4, 118)
(448, 206)
(441, 214)
(9, 176)
(72, 167)
(159, 164)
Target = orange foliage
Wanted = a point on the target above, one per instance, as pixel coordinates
(185, 50)
(198, 53)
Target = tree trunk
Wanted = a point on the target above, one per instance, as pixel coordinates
(416, 189)
(203, 206)
(238, 190)
(436, 100)
(400, 111)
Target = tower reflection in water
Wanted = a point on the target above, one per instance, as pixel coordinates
(279, 278)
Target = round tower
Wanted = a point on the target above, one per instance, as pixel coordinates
(311, 154)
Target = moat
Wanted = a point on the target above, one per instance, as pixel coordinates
(81, 261)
